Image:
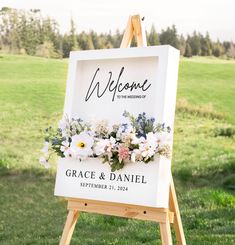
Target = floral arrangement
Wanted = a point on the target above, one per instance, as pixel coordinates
(140, 139)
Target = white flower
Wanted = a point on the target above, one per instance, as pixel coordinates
(45, 148)
(104, 145)
(44, 162)
(111, 144)
(136, 155)
(81, 145)
(100, 146)
(66, 150)
(146, 150)
(69, 153)
(149, 146)
(137, 141)
(64, 146)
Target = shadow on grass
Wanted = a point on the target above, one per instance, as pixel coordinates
(29, 172)
(213, 176)
(32, 215)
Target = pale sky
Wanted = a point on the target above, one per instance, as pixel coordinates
(215, 16)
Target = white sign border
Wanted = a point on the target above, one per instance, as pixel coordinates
(168, 60)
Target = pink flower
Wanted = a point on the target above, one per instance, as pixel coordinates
(123, 153)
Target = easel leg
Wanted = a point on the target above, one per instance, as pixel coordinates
(69, 227)
(174, 207)
(165, 230)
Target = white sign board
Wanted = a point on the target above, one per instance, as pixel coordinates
(102, 84)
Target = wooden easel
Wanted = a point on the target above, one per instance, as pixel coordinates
(164, 216)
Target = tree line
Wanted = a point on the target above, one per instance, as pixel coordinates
(28, 32)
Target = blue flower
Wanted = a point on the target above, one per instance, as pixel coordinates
(55, 141)
(124, 127)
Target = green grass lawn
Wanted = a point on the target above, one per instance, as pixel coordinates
(209, 81)
(31, 98)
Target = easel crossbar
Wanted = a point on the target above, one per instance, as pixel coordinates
(121, 210)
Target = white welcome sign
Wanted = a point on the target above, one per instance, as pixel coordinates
(102, 84)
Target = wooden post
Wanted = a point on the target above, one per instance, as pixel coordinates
(165, 231)
(165, 217)
(174, 207)
(134, 28)
(69, 227)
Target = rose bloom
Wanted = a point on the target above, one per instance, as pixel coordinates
(123, 153)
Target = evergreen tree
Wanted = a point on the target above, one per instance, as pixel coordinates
(169, 36)
(188, 50)
(73, 43)
(195, 43)
(117, 39)
(30, 29)
(153, 37)
(66, 46)
(102, 38)
(85, 41)
(182, 45)
(231, 51)
(217, 49)
(206, 45)
(109, 40)
(9, 30)
(95, 39)
(46, 50)
(226, 46)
